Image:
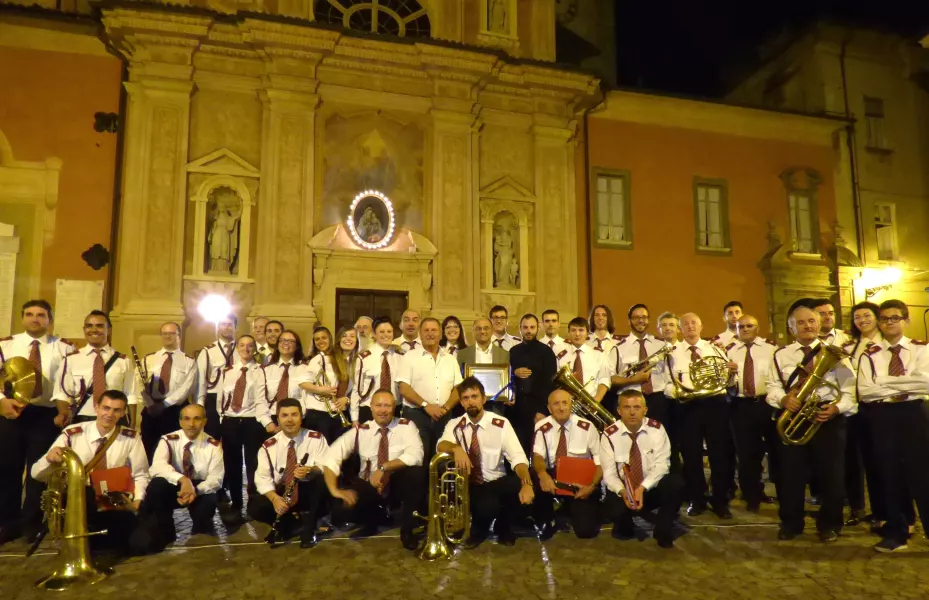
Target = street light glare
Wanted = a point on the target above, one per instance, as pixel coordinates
(214, 308)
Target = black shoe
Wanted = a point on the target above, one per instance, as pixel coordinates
(623, 532)
(8, 534)
(766, 499)
(827, 536)
(753, 507)
(889, 545)
(723, 512)
(410, 541)
(473, 542)
(854, 517)
(363, 532)
(506, 539)
(204, 528)
(785, 535)
(814, 500)
(232, 516)
(664, 540)
(696, 509)
(308, 541)
(547, 531)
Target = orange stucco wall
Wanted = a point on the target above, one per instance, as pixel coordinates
(47, 110)
(663, 269)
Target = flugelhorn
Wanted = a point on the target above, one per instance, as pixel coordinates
(449, 519)
(798, 428)
(322, 380)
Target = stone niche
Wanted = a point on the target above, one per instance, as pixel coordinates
(507, 227)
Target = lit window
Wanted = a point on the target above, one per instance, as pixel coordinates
(403, 18)
(611, 209)
(885, 218)
(712, 216)
(874, 123)
(801, 226)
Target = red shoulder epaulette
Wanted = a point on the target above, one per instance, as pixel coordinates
(7, 338)
(715, 338)
(561, 354)
(121, 355)
(404, 421)
(128, 432)
(516, 338)
(364, 426)
(172, 437)
(919, 342)
(873, 349)
(546, 427)
(611, 430)
(497, 422)
(210, 346)
(68, 342)
(585, 425)
(213, 441)
(654, 423)
(314, 434)
(364, 353)
(270, 443)
(770, 341)
(730, 346)
(69, 431)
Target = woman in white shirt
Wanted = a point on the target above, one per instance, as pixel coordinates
(328, 382)
(453, 336)
(281, 376)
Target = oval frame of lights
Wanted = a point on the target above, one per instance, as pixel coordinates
(350, 222)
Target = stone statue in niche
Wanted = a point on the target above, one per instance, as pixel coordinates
(506, 263)
(496, 16)
(514, 273)
(224, 217)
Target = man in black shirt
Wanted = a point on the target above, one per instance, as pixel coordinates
(533, 365)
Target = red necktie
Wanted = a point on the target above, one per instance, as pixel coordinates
(99, 375)
(635, 465)
(164, 379)
(238, 394)
(100, 466)
(499, 342)
(187, 463)
(896, 368)
(289, 472)
(385, 371)
(283, 386)
(562, 444)
(748, 373)
(35, 357)
(804, 373)
(551, 343)
(474, 453)
(647, 384)
(383, 455)
(578, 367)
(599, 347)
(412, 345)
(694, 354)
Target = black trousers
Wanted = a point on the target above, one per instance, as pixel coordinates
(155, 426)
(407, 488)
(666, 497)
(900, 432)
(212, 427)
(126, 534)
(706, 419)
(584, 514)
(860, 466)
(429, 430)
(160, 503)
(22, 442)
(321, 421)
(311, 497)
(496, 501)
(522, 418)
(822, 459)
(755, 435)
(242, 438)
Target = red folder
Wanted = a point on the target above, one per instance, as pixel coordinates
(573, 474)
(112, 487)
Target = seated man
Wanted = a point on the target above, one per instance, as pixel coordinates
(564, 434)
(286, 490)
(635, 457)
(187, 471)
(104, 446)
(391, 454)
(480, 441)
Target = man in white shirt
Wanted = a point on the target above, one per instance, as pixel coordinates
(585, 362)
(893, 386)
(551, 322)
(273, 331)
(669, 328)
(635, 456)
(732, 312)
(211, 361)
(564, 434)
(288, 479)
(187, 471)
(103, 445)
(823, 458)
(500, 321)
(827, 330)
(428, 376)
(602, 330)
(364, 330)
(480, 443)
(752, 418)
(390, 452)
(262, 350)
(28, 429)
(409, 329)
(173, 377)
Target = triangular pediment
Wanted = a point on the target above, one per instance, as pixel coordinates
(507, 188)
(223, 162)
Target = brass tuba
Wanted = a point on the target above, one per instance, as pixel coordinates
(68, 524)
(709, 376)
(583, 405)
(449, 519)
(798, 428)
(17, 379)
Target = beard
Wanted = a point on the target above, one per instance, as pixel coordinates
(474, 411)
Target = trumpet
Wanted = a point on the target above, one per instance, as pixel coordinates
(323, 381)
(649, 362)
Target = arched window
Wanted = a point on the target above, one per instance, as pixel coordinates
(403, 18)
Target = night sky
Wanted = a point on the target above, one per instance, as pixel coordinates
(688, 46)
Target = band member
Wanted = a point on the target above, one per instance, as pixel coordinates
(95, 368)
(210, 363)
(669, 328)
(453, 337)
(102, 444)
(327, 389)
(428, 376)
(565, 434)
(173, 377)
(635, 457)
(409, 329)
(243, 429)
(827, 332)
(27, 430)
(499, 319)
(602, 330)
(824, 456)
(534, 366)
(376, 369)
(752, 417)
(893, 383)
(732, 312)
(584, 360)
(481, 442)
(702, 420)
(391, 456)
(273, 331)
(484, 352)
(551, 323)
(364, 329)
(281, 376)
(637, 347)
(262, 351)
(187, 472)
(292, 458)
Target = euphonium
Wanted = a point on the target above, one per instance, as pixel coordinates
(584, 405)
(708, 375)
(449, 519)
(650, 362)
(68, 524)
(323, 381)
(798, 428)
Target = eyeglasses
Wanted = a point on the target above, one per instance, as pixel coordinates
(286, 341)
(498, 318)
(893, 319)
(640, 318)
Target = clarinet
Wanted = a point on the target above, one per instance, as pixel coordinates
(288, 494)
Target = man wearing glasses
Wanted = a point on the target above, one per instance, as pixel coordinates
(499, 319)
(172, 377)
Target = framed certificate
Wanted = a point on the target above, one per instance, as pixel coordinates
(495, 378)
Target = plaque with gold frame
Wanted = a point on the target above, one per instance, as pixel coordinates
(496, 380)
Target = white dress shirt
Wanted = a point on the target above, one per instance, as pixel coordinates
(226, 390)
(126, 450)
(77, 378)
(182, 384)
(272, 457)
(626, 353)
(678, 362)
(876, 384)
(725, 338)
(762, 351)
(210, 363)
(319, 363)
(368, 376)
(403, 443)
(782, 376)
(482, 357)
(405, 346)
(591, 365)
(555, 343)
(52, 353)
(270, 379)
(856, 349)
(497, 440)
(432, 378)
(654, 448)
(206, 457)
(506, 341)
(836, 337)
(583, 439)
(604, 344)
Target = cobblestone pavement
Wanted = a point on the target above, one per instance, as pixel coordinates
(711, 560)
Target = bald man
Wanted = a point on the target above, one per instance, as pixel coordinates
(409, 329)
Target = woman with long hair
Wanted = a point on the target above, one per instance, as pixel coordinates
(376, 368)
(322, 341)
(327, 382)
(453, 335)
(281, 377)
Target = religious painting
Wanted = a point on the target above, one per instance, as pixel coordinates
(223, 229)
(371, 220)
